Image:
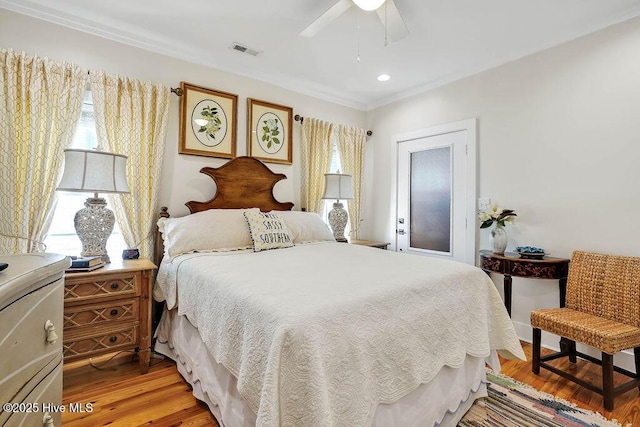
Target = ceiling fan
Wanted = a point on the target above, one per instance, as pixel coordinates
(386, 10)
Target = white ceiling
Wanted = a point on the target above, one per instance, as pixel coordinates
(448, 40)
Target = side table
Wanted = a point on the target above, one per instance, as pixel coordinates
(373, 244)
(511, 264)
(109, 309)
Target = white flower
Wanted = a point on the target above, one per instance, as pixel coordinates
(494, 210)
(484, 216)
(497, 214)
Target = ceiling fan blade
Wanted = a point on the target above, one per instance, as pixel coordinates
(334, 11)
(396, 28)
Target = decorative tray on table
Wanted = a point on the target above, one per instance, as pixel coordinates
(530, 252)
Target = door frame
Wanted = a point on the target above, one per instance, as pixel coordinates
(470, 126)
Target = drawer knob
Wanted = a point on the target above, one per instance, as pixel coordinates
(114, 312)
(52, 337)
(114, 285)
(47, 420)
(113, 339)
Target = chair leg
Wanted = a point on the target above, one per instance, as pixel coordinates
(607, 380)
(571, 346)
(535, 362)
(636, 354)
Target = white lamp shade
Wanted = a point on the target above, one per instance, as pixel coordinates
(338, 186)
(94, 172)
(369, 4)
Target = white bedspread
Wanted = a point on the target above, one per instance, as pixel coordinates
(319, 334)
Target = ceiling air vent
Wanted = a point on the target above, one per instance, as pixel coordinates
(240, 48)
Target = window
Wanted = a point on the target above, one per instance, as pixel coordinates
(62, 237)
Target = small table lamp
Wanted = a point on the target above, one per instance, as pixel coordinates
(95, 172)
(339, 187)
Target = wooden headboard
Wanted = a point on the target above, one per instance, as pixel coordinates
(241, 183)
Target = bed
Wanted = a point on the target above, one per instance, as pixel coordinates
(273, 323)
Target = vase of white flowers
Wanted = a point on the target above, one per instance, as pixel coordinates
(500, 217)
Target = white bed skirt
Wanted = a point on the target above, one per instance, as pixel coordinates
(441, 402)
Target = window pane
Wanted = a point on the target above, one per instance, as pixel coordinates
(430, 199)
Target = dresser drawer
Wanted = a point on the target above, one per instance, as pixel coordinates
(99, 287)
(96, 314)
(23, 337)
(47, 391)
(540, 270)
(490, 264)
(93, 341)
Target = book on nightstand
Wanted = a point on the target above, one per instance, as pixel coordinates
(85, 263)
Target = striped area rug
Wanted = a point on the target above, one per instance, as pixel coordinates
(514, 404)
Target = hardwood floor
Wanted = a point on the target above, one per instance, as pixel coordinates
(626, 406)
(122, 397)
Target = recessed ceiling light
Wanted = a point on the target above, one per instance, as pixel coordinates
(368, 4)
(383, 77)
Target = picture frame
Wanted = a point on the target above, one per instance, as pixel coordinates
(208, 122)
(269, 132)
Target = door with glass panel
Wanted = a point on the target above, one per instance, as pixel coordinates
(436, 192)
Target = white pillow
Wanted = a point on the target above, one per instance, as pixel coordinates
(306, 226)
(268, 230)
(214, 229)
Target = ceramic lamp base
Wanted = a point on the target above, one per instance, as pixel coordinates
(94, 224)
(338, 221)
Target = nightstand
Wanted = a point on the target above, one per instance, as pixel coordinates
(108, 310)
(373, 244)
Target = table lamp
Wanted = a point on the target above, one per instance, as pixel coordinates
(339, 187)
(92, 171)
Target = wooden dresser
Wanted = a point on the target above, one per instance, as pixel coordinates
(108, 310)
(31, 301)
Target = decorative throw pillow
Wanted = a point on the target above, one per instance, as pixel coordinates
(268, 230)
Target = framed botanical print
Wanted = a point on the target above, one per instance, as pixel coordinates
(269, 132)
(208, 122)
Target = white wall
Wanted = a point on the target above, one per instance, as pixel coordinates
(558, 141)
(181, 180)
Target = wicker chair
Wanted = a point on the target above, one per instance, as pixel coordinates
(602, 311)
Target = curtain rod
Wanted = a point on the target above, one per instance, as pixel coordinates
(299, 118)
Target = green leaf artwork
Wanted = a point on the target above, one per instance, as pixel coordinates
(213, 125)
(271, 130)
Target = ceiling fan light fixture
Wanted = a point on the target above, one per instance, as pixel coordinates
(369, 4)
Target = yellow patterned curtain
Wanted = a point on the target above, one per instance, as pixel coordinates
(350, 142)
(315, 147)
(40, 104)
(131, 119)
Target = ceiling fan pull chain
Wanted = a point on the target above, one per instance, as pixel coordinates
(358, 35)
(386, 42)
